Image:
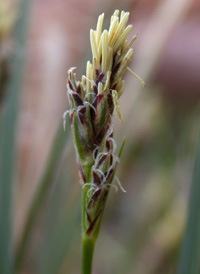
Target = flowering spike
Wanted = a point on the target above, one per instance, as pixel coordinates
(92, 102)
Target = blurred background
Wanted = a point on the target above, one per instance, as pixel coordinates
(40, 194)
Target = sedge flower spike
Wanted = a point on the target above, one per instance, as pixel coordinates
(92, 102)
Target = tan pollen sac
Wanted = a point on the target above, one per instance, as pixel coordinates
(128, 55)
(120, 89)
(110, 59)
(116, 13)
(95, 35)
(104, 50)
(120, 28)
(122, 38)
(122, 14)
(124, 19)
(89, 73)
(116, 104)
(130, 43)
(94, 48)
(124, 63)
(83, 80)
(119, 86)
(100, 88)
(100, 47)
(113, 27)
(124, 45)
(99, 28)
(107, 84)
(94, 76)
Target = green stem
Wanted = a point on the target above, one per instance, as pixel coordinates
(87, 254)
(88, 242)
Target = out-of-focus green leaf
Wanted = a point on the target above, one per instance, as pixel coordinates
(7, 142)
(43, 187)
(189, 262)
(58, 217)
(60, 241)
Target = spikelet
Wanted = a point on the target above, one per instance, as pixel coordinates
(92, 102)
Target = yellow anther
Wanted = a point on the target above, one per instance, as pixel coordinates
(116, 104)
(99, 28)
(104, 50)
(94, 47)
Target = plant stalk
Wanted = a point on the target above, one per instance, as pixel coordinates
(87, 242)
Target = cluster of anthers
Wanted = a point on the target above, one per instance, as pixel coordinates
(92, 102)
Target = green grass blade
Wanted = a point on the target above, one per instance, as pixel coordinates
(7, 143)
(43, 187)
(189, 262)
(61, 242)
